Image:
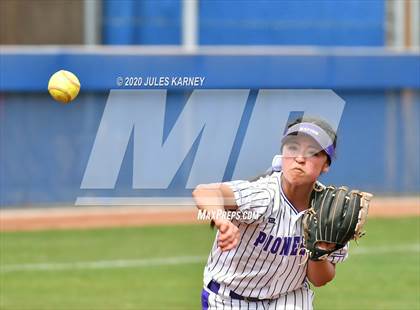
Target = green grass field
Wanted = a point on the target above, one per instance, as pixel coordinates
(161, 268)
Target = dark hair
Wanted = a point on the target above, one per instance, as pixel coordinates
(319, 122)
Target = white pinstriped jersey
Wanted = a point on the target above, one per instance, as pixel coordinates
(268, 261)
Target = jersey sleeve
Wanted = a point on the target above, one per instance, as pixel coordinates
(339, 255)
(252, 198)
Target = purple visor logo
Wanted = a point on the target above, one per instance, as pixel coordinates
(316, 133)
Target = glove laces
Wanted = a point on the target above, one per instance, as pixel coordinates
(303, 229)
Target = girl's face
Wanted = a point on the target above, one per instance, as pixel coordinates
(303, 160)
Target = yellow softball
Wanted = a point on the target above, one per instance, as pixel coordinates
(63, 86)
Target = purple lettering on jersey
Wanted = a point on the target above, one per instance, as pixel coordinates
(296, 242)
(260, 239)
(276, 245)
(286, 246)
(302, 251)
(268, 243)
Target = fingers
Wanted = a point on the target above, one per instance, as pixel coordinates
(228, 236)
(228, 245)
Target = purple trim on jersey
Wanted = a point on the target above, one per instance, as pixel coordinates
(205, 299)
(316, 133)
(214, 286)
(285, 198)
(289, 203)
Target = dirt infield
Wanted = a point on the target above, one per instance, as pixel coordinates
(96, 217)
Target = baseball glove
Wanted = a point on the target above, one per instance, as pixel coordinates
(336, 216)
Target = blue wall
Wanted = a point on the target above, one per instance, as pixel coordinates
(326, 23)
(320, 68)
(45, 146)
(286, 22)
(141, 22)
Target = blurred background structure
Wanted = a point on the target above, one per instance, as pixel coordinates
(366, 51)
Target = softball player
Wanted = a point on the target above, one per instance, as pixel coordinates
(259, 262)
